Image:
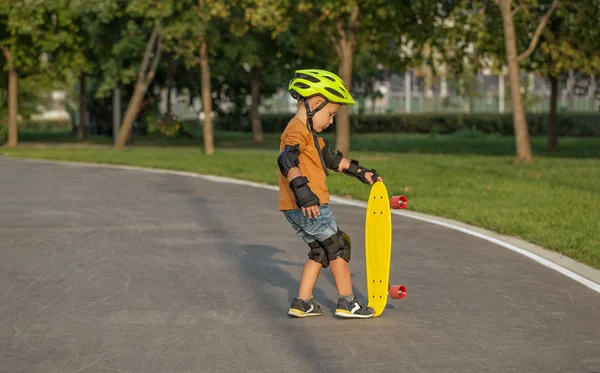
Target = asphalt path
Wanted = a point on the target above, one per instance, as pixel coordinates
(111, 270)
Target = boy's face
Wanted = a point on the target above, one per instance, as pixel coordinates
(324, 117)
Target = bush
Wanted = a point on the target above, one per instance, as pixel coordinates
(3, 134)
(46, 125)
(192, 126)
(569, 124)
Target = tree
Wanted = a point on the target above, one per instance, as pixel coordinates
(117, 36)
(232, 73)
(471, 26)
(365, 74)
(523, 144)
(13, 136)
(189, 34)
(89, 55)
(146, 73)
(255, 45)
(70, 57)
(13, 37)
(339, 22)
(351, 23)
(151, 14)
(30, 33)
(570, 42)
(267, 20)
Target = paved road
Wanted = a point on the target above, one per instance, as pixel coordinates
(106, 270)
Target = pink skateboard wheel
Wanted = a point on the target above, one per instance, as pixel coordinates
(397, 292)
(398, 202)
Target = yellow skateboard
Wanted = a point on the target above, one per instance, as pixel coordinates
(378, 247)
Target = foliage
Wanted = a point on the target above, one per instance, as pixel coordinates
(569, 124)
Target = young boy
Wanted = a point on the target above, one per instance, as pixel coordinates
(303, 196)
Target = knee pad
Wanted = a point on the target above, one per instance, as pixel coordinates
(338, 246)
(318, 254)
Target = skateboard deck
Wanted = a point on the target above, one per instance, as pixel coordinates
(378, 247)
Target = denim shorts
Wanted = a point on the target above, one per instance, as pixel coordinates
(310, 229)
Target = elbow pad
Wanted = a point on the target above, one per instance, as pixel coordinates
(331, 158)
(288, 158)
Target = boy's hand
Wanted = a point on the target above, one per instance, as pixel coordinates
(311, 211)
(369, 177)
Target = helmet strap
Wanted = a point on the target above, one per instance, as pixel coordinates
(311, 113)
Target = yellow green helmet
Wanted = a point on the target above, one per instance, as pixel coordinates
(311, 82)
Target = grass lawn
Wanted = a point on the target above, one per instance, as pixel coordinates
(554, 202)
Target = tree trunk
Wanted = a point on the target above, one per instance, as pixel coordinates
(145, 77)
(501, 91)
(133, 110)
(116, 95)
(428, 90)
(116, 112)
(407, 91)
(552, 143)
(374, 104)
(170, 77)
(207, 128)
(342, 122)
(82, 129)
(13, 107)
(257, 133)
(523, 145)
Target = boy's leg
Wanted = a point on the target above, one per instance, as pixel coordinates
(341, 274)
(310, 274)
(304, 305)
(325, 231)
(347, 306)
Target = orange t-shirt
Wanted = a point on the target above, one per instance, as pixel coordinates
(296, 132)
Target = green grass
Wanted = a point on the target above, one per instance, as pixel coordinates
(554, 202)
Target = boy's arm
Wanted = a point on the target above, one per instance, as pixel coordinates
(293, 173)
(288, 163)
(305, 198)
(336, 161)
(344, 164)
(365, 175)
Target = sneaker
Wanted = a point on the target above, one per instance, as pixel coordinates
(300, 308)
(353, 309)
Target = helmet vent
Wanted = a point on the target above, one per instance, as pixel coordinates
(334, 92)
(330, 78)
(301, 85)
(309, 78)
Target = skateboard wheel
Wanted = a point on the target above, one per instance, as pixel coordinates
(398, 202)
(397, 292)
